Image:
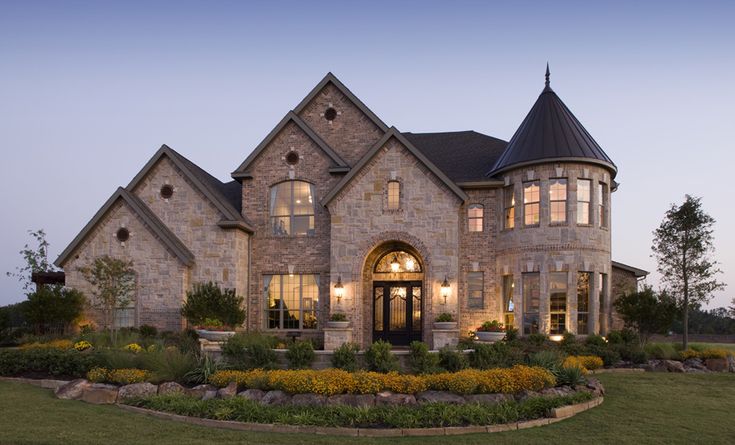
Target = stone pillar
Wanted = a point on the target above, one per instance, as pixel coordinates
(444, 337)
(336, 337)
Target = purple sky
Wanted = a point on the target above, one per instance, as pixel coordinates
(90, 90)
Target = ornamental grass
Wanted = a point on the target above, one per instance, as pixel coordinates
(335, 381)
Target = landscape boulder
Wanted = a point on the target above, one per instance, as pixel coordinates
(170, 388)
(674, 366)
(596, 387)
(391, 398)
(72, 390)
(100, 394)
(439, 397)
(308, 400)
(228, 391)
(137, 390)
(716, 364)
(200, 390)
(275, 398)
(252, 394)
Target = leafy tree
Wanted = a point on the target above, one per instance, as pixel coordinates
(647, 312)
(52, 308)
(113, 287)
(732, 308)
(683, 246)
(36, 260)
(209, 301)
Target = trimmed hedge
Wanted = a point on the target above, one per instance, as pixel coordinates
(335, 381)
(48, 361)
(420, 416)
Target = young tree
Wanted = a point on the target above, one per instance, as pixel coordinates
(36, 260)
(647, 312)
(683, 246)
(113, 287)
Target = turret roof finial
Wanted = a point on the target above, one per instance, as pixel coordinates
(548, 74)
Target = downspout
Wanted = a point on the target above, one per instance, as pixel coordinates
(249, 274)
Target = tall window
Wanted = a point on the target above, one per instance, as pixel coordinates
(292, 301)
(584, 193)
(602, 297)
(475, 217)
(558, 200)
(531, 206)
(292, 208)
(602, 203)
(531, 288)
(509, 207)
(394, 195)
(508, 306)
(124, 317)
(475, 284)
(558, 302)
(584, 289)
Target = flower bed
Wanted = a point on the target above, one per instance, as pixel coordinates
(333, 381)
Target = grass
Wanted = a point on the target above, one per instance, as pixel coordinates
(639, 408)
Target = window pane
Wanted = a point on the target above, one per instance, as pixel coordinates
(394, 195)
(531, 192)
(303, 225)
(281, 199)
(303, 201)
(583, 213)
(558, 302)
(508, 305)
(416, 323)
(397, 308)
(475, 282)
(558, 189)
(584, 280)
(509, 202)
(281, 225)
(402, 261)
(558, 211)
(583, 190)
(292, 300)
(378, 309)
(531, 214)
(531, 289)
(602, 201)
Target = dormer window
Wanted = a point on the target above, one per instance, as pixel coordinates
(292, 208)
(394, 195)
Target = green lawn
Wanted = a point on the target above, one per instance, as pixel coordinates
(639, 408)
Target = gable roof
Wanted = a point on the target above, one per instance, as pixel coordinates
(331, 78)
(155, 225)
(549, 133)
(464, 156)
(639, 273)
(242, 171)
(392, 133)
(226, 198)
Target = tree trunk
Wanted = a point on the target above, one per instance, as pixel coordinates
(685, 337)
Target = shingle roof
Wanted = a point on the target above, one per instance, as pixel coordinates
(463, 156)
(550, 132)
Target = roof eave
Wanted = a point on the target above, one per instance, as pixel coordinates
(611, 167)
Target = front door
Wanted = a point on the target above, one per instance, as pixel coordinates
(397, 311)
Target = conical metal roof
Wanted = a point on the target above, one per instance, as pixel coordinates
(550, 133)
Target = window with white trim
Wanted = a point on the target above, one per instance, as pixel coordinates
(475, 217)
(531, 203)
(558, 200)
(584, 194)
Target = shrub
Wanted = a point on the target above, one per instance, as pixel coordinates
(338, 316)
(547, 359)
(583, 362)
(537, 339)
(511, 334)
(570, 345)
(491, 326)
(624, 336)
(715, 353)
(98, 375)
(570, 376)
(148, 331)
(379, 358)
(420, 360)
(205, 368)
(662, 351)
(133, 347)
(686, 354)
(595, 340)
(300, 355)
(445, 317)
(168, 365)
(252, 350)
(207, 300)
(47, 361)
(452, 359)
(55, 344)
(496, 355)
(53, 308)
(345, 357)
(632, 353)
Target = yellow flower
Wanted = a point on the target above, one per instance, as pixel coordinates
(133, 347)
(82, 345)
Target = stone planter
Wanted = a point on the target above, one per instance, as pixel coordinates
(338, 324)
(445, 325)
(491, 337)
(215, 335)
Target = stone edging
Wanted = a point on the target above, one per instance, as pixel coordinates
(557, 414)
(616, 371)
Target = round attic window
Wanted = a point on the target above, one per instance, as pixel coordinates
(330, 114)
(292, 158)
(122, 234)
(167, 191)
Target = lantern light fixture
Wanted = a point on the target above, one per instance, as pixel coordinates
(446, 289)
(339, 289)
(395, 266)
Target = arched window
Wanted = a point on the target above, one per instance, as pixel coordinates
(475, 217)
(292, 208)
(398, 261)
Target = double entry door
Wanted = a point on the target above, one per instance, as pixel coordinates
(397, 311)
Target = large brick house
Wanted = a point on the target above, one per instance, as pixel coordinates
(337, 212)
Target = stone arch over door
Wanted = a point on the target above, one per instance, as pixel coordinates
(371, 251)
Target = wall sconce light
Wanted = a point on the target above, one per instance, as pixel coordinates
(446, 289)
(395, 266)
(339, 289)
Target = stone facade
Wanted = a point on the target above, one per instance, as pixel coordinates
(348, 157)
